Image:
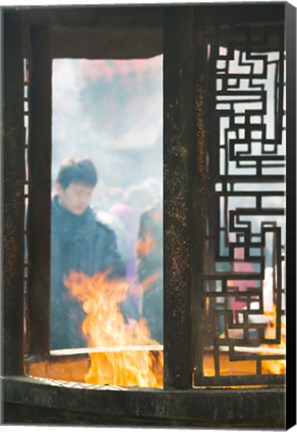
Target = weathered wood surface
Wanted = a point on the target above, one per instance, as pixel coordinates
(13, 200)
(178, 165)
(39, 211)
(37, 401)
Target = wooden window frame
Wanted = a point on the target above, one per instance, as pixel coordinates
(49, 401)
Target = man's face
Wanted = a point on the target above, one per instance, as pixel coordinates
(76, 197)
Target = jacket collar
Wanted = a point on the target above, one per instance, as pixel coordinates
(70, 226)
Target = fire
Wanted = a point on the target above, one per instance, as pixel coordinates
(124, 357)
(144, 246)
(274, 366)
(147, 283)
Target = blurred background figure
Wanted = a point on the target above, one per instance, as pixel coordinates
(150, 268)
(124, 219)
(136, 199)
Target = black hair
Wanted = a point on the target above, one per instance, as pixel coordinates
(77, 170)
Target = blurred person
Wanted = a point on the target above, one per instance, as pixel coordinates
(136, 199)
(80, 243)
(150, 268)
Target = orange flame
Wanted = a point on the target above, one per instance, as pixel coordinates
(126, 360)
(277, 367)
(144, 245)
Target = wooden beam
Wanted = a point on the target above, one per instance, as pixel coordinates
(51, 402)
(290, 46)
(39, 227)
(100, 15)
(178, 160)
(13, 182)
(106, 42)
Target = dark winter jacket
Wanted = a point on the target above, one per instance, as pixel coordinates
(81, 244)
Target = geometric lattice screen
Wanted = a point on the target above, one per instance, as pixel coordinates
(240, 126)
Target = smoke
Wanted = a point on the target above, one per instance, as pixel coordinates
(111, 111)
(112, 69)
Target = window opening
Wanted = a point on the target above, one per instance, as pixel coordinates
(106, 325)
(242, 320)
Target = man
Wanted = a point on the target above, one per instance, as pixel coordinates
(80, 243)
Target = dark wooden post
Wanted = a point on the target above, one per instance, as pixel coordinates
(202, 208)
(178, 160)
(290, 47)
(39, 189)
(13, 182)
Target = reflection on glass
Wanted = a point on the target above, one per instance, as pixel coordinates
(106, 220)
